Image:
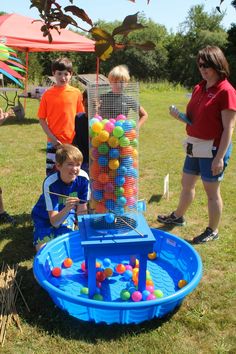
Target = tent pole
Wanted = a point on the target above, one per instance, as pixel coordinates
(26, 77)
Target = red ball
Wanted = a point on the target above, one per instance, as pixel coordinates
(120, 268)
(100, 276)
(56, 272)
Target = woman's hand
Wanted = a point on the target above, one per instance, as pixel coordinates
(217, 166)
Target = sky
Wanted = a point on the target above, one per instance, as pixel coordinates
(169, 13)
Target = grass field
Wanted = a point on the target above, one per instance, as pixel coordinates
(205, 323)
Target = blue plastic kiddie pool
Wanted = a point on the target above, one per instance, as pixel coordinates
(176, 260)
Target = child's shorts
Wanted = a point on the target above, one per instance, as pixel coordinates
(202, 166)
(44, 231)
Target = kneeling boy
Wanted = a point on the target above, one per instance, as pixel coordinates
(64, 196)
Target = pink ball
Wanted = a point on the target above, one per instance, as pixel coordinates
(98, 117)
(95, 153)
(112, 120)
(151, 297)
(129, 267)
(150, 288)
(109, 187)
(131, 201)
(109, 127)
(136, 296)
(121, 117)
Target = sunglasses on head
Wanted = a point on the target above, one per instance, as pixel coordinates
(204, 65)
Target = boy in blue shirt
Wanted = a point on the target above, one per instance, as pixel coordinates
(64, 196)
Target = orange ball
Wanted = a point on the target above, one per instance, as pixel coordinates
(120, 268)
(182, 283)
(67, 262)
(56, 272)
(131, 134)
(103, 177)
(125, 151)
(152, 255)
(128, 192)
(108, 272)
(100, 208)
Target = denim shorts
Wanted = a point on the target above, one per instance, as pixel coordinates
(202, 166)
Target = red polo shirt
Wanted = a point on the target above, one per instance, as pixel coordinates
(205, 107)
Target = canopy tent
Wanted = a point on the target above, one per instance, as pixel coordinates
(21, 33)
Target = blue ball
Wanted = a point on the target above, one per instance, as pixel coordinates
(97, 194)
(145, 294)
(119, 123)
(103, 161)
(122, 170)
(119, 180)
(110, 204)
(106, 262)
(114, 153)
(109, 217)
(127, 161)
(121, 201)
(128, 274)
(127, 126)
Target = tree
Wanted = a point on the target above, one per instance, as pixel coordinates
(198, 30)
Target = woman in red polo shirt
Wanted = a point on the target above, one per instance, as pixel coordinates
(212, 112)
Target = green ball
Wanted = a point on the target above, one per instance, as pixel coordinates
(84, 291)
(103, 149)
(132, 121)
(125, 295)
(118, 132)
(119, 191)
(98, 297)
(134, 143)
(124, 141)
(158, 293)
(92, 133)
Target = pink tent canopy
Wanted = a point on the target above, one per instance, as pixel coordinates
(21, 33)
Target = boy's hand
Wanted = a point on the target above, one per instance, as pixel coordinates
(71, 203)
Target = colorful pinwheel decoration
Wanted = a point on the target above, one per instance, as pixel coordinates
(10, 65)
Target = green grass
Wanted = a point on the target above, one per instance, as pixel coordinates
(205, 323)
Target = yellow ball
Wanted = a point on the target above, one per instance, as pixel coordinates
(114, 164)
(96, 127)
(182, 283)
(103, 136)
(152, 256)
(113, 142)
(95, 141)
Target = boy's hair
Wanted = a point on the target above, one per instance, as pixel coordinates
(119, 73)
(62, 64)
(68, 151)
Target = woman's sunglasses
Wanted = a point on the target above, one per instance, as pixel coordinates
(204, 65)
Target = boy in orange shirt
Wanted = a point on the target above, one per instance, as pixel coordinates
(57, 110)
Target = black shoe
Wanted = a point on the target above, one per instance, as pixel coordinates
(171, 219)
(207, 235)
(5, 218)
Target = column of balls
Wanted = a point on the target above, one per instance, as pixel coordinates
(113, 164)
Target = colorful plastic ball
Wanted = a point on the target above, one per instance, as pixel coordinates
(92, 133)
(128, 192)
(100, 276)
(182, 283)
(103, 161)
(131, 134)
(121, 201)
(121, 170)
(119, 191)
(98, 297)
(119, 123)
(67, 262)
(108, 272)
(119, 180)
(110, 204)
(136, 296)
(83, 266)
(98, 194)
(96, 127)
(126, 151)
(145, 294)
(98, 264)
(56, 272)
(128, 267)
(100, 208)
(106, 262)
(113, 142)
(84, 291)
(103, 148)
(124, 141)
(132, 172)
(113, 164)
(93, 120)
(127, 125)
(151, 297)
(131, 201)
(109, 127)
(103, 178)
(121, 117)
(152, 256)
(109, 217)
(158, 293)
(120, 268)
(128, 274)
(114, 153)
(97, 116)
(135, 153)
(149, 282)
(133, 122)
(125, 295)
(119, 210)
(104, 121)
(150, 288)
(109, 187)
(103, 136)
(134, 143)
(118, 132)
(127, 161)
(95, 142)
(96, 185)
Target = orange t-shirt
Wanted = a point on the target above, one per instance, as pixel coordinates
(58, 107)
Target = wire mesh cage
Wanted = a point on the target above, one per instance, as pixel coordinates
(113, 112)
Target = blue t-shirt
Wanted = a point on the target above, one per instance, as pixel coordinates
(53, 183)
